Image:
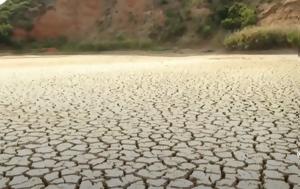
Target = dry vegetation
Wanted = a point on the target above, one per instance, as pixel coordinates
(264, 37)
(233, 17)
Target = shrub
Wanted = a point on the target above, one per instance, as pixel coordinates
(13, 10)
(12, 13)
(163, 2)
(174, 27)
(205, 30)
(5, 33)
(293, 38)
(239, 15)
(260, 38)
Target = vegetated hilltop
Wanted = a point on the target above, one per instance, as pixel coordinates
(136, 23)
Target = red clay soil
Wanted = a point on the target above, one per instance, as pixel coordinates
(78, 18)
(68, 18)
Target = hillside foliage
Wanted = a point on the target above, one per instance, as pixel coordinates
(13, 13)
(233, 17)
(260, 38)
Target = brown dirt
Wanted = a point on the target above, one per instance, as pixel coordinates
(68, 18)
(283, 12)
(107, 19)
(77, 18)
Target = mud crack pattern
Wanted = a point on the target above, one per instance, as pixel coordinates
(177, 122)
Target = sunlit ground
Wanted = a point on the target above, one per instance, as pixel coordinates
(138, 121)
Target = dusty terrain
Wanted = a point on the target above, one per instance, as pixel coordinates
(226, 121)
(286, 12)
(133, 19)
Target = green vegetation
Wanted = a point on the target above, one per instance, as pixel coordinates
(206, 27)
(259, 38)
(107, 46)
(205, 30)
(63, 45)
(5, 33)
(238, 16)
(13, 11)
(222, 16)
(175, 27)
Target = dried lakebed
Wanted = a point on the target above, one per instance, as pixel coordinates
(91, 122)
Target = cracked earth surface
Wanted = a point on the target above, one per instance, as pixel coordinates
(92, 122)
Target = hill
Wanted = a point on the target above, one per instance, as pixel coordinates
(184, 22)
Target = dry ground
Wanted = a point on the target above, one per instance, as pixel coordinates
(109, 121)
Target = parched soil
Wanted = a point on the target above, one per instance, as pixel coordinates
(120, 121)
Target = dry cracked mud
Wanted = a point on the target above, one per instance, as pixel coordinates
(91, 122)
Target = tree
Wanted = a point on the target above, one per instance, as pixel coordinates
(239, 15)
(5, 33)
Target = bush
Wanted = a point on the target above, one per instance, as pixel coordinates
(12, 13)
(205, 30)
(5, 33)
(262, 38)
(239, 15)
(13, 10)
(163, 2)
(174, 27)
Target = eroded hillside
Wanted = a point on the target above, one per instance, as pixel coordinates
(168, 20)
(287, 12)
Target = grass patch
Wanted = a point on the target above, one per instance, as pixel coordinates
(264, 38)
(106, 46)
(63, 45)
